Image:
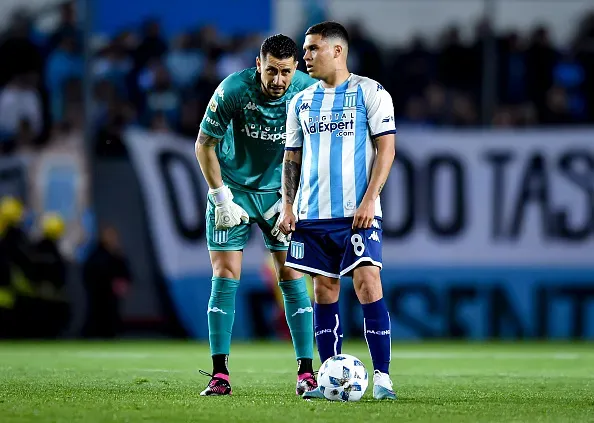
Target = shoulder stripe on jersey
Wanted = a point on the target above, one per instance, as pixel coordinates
(360, 147)
(391, 131)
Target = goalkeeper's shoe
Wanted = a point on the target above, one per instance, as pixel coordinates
(382, 386)
(305, 382)
(218, 385)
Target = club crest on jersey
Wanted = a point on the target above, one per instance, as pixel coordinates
(213, 105)
(220, 237)
(350, 100)
(297, 250)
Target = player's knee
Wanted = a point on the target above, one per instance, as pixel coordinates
(368, 285)
(225, 267)
(326, 290)
(288, 274)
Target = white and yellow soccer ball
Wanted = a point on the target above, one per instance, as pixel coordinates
(343, 378)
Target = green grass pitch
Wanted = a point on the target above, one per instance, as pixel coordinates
(159, 382)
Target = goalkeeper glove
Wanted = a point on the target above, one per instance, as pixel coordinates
(227, 213)
(269, 214)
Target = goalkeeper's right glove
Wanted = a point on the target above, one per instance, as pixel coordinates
(227, 213)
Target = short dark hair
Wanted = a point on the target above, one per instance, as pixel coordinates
(279, 46)
(329, 29)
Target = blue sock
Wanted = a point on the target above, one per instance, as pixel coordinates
(328, 330)
(376, 324)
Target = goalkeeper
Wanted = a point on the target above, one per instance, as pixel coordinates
(240, 149)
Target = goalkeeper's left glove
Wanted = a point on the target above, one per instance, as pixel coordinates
(269, 214)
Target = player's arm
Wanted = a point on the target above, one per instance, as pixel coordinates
(380, 118)
(291, 167)
(386, 151)
(217, 118)
(291, 176)
(208, 160)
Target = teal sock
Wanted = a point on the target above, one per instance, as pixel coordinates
(221, 313)
(299, 313)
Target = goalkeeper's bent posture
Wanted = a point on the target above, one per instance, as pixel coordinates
(240, 149)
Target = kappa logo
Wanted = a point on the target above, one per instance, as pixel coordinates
(215, 310)
(302, 311)
(221, 93)
(303, 107)
(374, 236)
(250, 106)
(375, 224)
(379, 87)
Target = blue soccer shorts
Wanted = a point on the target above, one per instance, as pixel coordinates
(330, 247)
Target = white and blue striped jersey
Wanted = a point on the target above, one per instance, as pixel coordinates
(335, 127)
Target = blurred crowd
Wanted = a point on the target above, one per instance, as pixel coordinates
(34, 298)
(142, 78)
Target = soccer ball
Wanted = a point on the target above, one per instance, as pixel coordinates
(343, 378)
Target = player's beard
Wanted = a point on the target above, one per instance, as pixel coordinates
(269, 93)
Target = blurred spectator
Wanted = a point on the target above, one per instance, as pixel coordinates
(20, 108)
(364, 55)
(540, 59)
(190, 119)
(67, 28)
(513, 70)
(114, 65)
(152, 45)
(234, 58)
(52, 307)
(107, 280)
(161, 96)
(184, 62)
(63, 65)
(18, 54)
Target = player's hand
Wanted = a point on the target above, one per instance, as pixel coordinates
(269, 214)
(227, 213)
(364, 214)
(287, 222)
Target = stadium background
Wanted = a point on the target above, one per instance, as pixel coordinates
(489, 228)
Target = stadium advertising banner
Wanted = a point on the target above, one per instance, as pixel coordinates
(486, 235)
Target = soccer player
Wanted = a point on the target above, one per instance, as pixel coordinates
(240, 149)
(339, 151)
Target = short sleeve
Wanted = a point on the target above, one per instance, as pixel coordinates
(380, 110)
(221, 108)
(294, 139)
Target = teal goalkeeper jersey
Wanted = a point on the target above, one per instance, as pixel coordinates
(252, 128)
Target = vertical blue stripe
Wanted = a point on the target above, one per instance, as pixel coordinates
(313, 211)
(360, 147)
(336, 200)
(297, 105)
